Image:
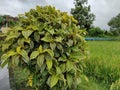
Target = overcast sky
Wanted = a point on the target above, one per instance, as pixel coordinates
(103, 9)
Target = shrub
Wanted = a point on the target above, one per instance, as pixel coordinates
(47, 44)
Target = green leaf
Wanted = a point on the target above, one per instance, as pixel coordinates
(34, 54)
(7, 55)
(36, 36)
(52, 46)
(5, 46)
(18, 49)
(59, 46)
(43, 68)
(11, 53)
(15, 60)
(62, 67)
(38, 8)
(61, 59)
(40, 49)
(4, 57)
(24, 54)
(54, 80)
(47, 39)
(69, 80)
(49, 63)
(40, 60)
(32, 27)
(70, 42)
(4, 63)
(27, 40)
(69, 66)
(12, 35)
(21, 42)
(26, 33)
(58, 70)
(62, 77)
(50, 52)
(31, 44)
(51, 31)
(59, 39)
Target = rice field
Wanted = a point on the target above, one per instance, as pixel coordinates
(103, 67)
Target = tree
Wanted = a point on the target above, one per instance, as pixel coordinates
(114, 24)
(82, 13)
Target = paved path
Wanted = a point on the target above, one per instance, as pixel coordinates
(4, 79)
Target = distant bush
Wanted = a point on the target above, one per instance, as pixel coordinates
(96, 32)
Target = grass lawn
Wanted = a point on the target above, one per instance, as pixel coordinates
(103, 67)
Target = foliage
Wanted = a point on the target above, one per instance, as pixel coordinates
(82, 13)
(103, 66)
(114, 24)
(18, 72)
(108, 33)
(7, 19)
(48, 44)
(96, 32)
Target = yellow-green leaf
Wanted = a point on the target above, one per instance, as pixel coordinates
(15, 60)
(27, 40)
(4, 63)
(69, 66)
(5, 46)
(58, 70)
(31, 44)
(58, 39)
(26, 33)
(36, 36)
(24, 54)
(4, 57)
(40, 60)
(21, 41)
(47, 39)
(40, 49)
(49, 51)
(54, 80)
(18, 49)
(11, 53)
(11, 36)
(62, 67)
(49, 64)
(69, 80)
(34, 54)
(52, 46)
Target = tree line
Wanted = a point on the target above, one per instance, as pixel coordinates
(7, 20)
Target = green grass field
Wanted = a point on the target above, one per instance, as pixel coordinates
(103, 67)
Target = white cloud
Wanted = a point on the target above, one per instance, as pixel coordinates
(103, 9)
